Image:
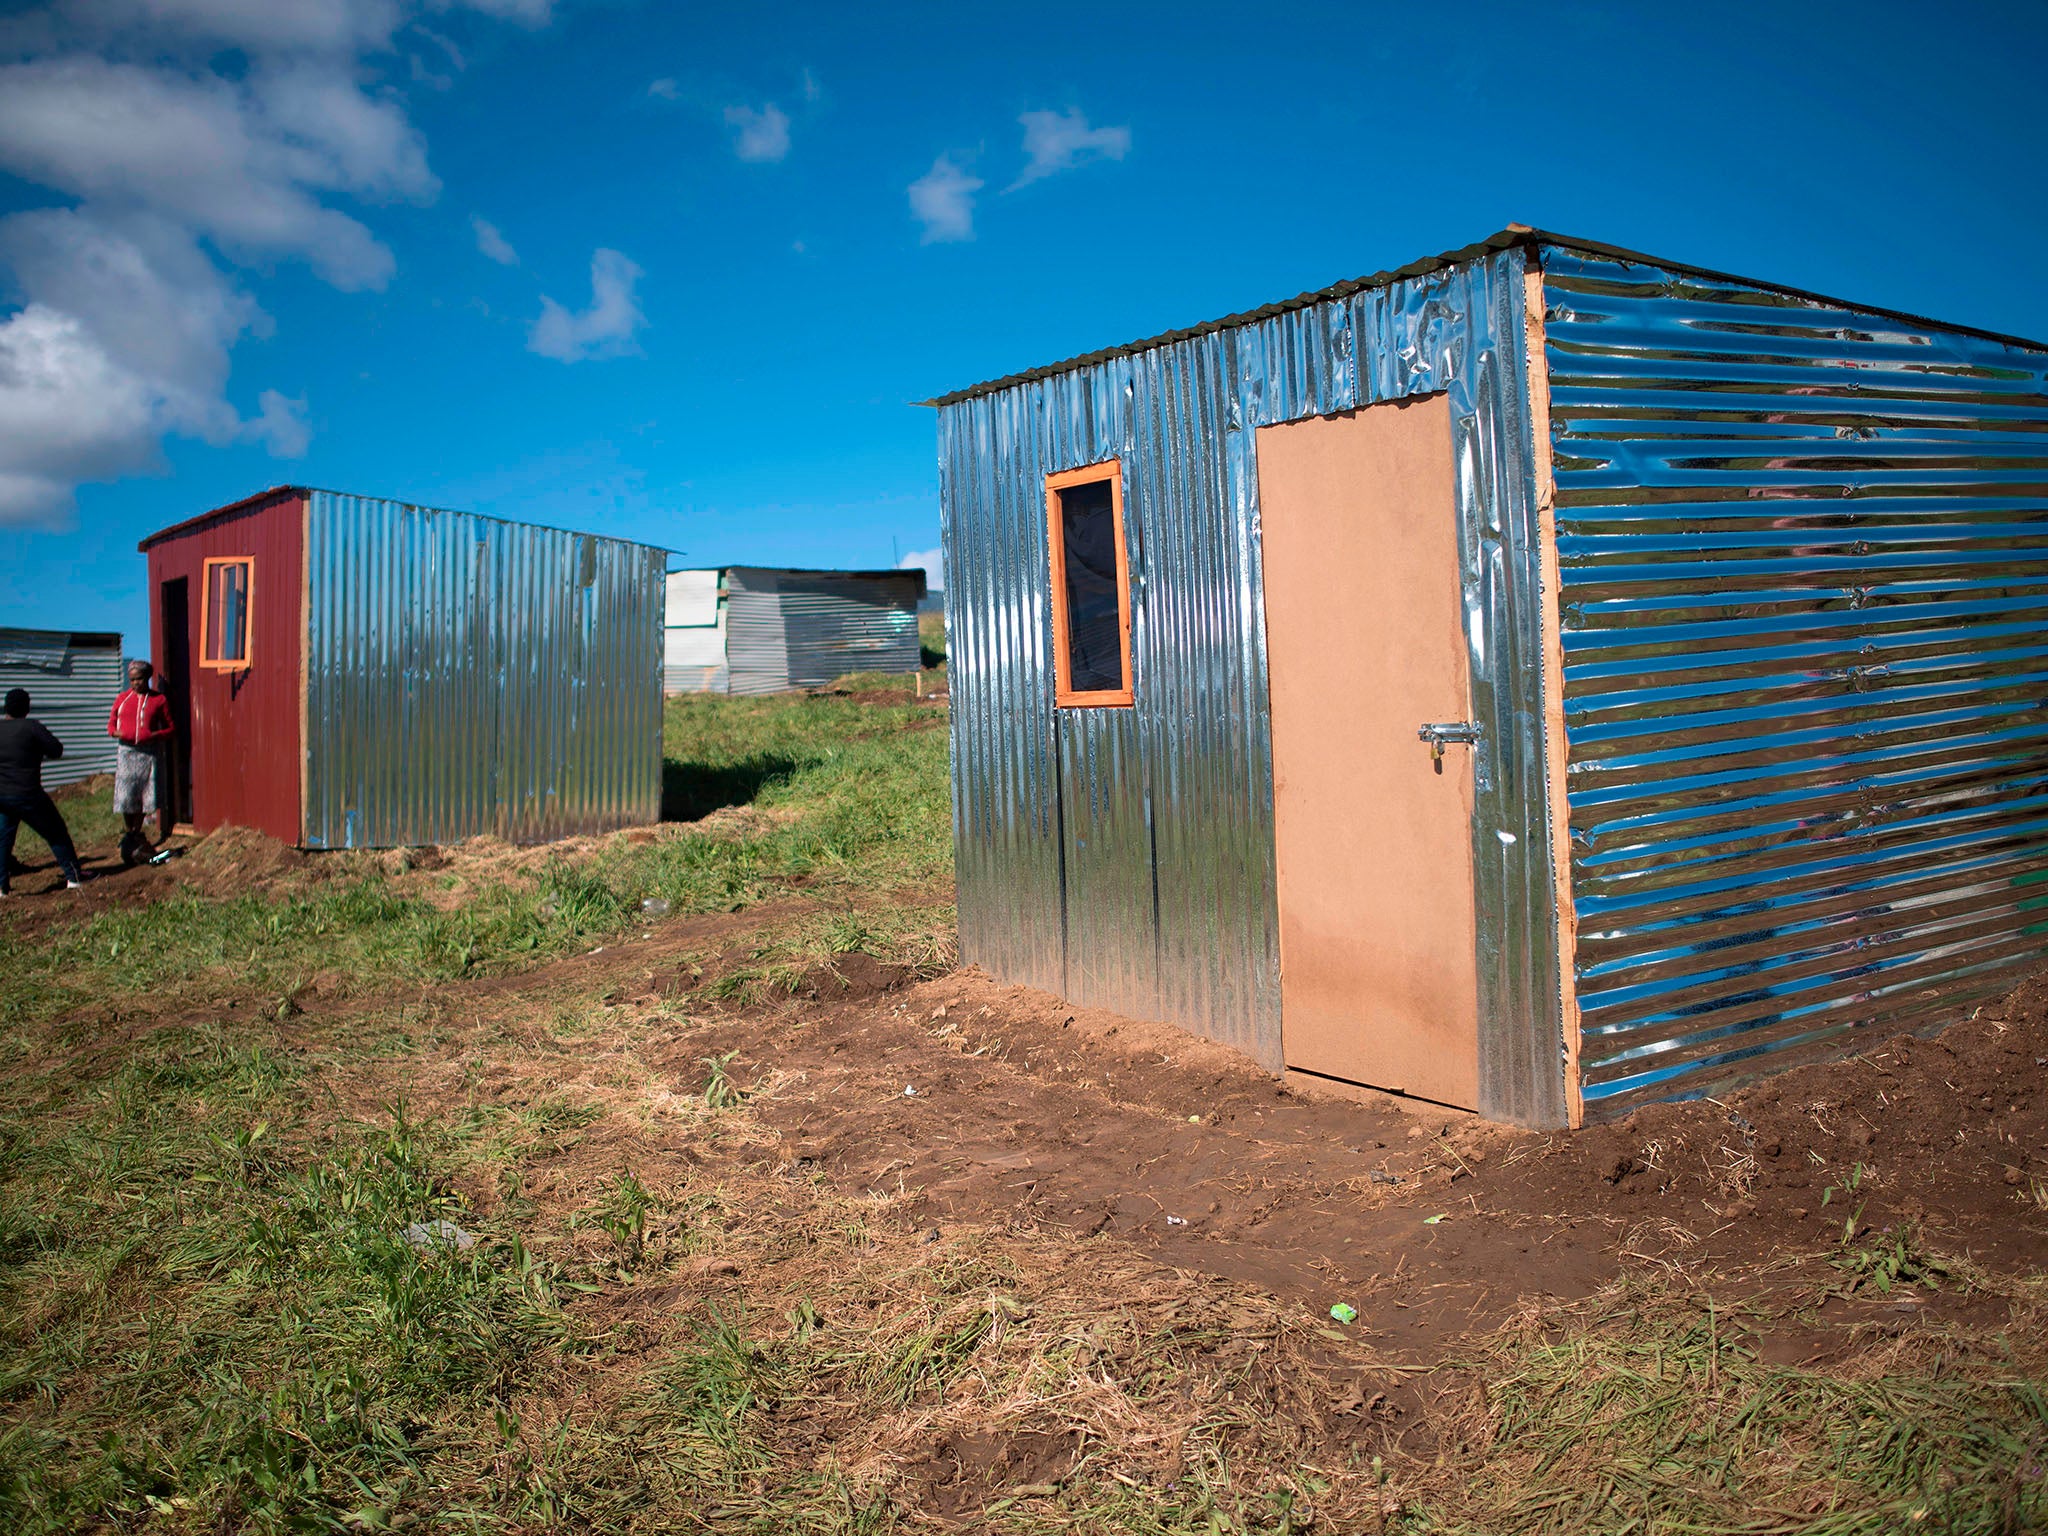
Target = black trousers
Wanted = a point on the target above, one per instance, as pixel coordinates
(44, 819)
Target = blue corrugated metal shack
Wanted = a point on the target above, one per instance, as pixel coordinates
(1541, 679)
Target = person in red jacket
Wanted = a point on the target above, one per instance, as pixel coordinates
(140, 724)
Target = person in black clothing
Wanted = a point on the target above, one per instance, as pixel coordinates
(24, 743)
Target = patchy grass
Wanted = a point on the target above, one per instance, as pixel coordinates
(214, 1314)
(88, 809)
(228, 1301)
(846, 800)
(1656, 1412)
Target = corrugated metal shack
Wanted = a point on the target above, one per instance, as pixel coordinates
(749, 629)
(1541, 679)
(72, 679)
(356, 673)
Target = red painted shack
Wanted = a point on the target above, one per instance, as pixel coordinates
(349, 672)
(228, 631)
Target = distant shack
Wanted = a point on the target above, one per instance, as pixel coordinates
(752, 629)
(349, 672)
(72, 679)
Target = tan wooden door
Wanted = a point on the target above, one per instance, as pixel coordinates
(1365, 642)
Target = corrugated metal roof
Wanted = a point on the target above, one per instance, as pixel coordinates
(1513, 235)
(17, 644)
(806, 570)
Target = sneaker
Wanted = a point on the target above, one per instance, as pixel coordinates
(74, 885)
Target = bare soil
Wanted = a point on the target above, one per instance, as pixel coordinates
(999, 1103)
(971, 1103)
(1131, 1157)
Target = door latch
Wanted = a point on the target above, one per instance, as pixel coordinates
(1445, 733)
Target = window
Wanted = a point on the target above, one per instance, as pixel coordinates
(224, 612)
(1091, 586)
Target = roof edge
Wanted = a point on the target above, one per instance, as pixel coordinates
(76, 639)
(875, 573)
(249, 503)
(246, 504)
(1507, 239)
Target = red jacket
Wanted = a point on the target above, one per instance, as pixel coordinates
(140, 719)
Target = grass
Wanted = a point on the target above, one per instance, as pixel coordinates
(227, 1302)
(849, 800)
(1657, 1413)
(215, 1314)
(88, 809)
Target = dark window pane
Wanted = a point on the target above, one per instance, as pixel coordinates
(235, 614)
(1095, 655)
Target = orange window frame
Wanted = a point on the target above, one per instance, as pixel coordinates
(1064, 694)
(206, 638)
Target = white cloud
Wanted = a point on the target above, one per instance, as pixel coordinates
(666, 88)
(1059, 141)
(762, 135)
(126, 340)
(447, 46)
(141, 288)
(68, 412)
(491, 243)
(531, 13)
(240, 162)
(331, 26)
(932, 562)
(943, 201)
(606, 329)
(280, 425)
(175, 128)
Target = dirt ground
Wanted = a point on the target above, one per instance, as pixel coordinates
(970, 1116)
(979, 1103)
(1001, 1103)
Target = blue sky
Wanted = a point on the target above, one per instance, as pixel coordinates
(678, 274)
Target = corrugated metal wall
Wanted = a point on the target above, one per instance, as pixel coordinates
(690, 677)
(72, 682)
(802, 629)
(1124, 857)
(1805, 577)
(756, 645)
(468, 675)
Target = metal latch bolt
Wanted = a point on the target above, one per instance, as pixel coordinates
(1443, 734)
